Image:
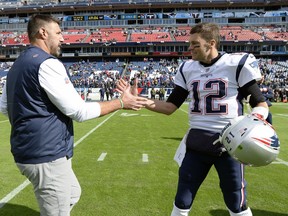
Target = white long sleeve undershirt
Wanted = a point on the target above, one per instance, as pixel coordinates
(55, 82)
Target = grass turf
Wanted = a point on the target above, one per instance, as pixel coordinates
(124, 185)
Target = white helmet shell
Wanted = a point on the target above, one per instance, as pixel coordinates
(251, 140)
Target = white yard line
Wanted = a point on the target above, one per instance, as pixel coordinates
(17, 190)
(91, 131)
(280, 161)
(102, 156)
(184, 110)
(279, 114)
(145, 158)
(4, 121)
(13, 193)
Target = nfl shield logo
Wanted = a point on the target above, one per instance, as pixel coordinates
(66, 80)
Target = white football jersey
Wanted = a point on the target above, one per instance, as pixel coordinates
(213, 90)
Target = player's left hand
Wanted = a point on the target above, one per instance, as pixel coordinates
(134, 88)
(131, 101)
(121, 86)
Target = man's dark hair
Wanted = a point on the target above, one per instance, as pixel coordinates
(208, 31)
(37, 21)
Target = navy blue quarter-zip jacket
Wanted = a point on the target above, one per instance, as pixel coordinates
(39, 131)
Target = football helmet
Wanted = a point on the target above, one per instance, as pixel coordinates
(251, 140)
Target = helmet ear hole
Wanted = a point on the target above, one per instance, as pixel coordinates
(251, 140)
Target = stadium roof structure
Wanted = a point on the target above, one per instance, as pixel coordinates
(93, 15)
(31, 6)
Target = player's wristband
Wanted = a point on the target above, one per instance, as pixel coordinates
(121, 102)
(261, 110)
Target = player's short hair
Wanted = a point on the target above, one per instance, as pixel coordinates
(37, 21)
(207, 31)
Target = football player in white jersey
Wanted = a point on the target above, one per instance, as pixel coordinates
(215, 83)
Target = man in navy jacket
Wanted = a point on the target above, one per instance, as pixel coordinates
(41, 104)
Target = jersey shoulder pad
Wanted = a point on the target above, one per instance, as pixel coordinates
(233, 59)
(191, 64)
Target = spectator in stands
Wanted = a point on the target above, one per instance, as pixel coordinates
(102, 93)
(284, 95)
(153, 93)
(41, 104)
(215, 84)
(161, 93)
(111, 92)
(107, 92)
(268, 94)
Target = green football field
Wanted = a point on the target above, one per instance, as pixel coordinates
(124, 163)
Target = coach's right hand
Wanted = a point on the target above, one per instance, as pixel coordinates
(129, 100)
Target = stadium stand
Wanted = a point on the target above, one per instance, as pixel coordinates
(74, 36)
(107, 35)
(110, 35)
(107, 39)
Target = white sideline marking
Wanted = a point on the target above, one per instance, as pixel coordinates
(17, 190)
(91, 131)
(102, 156)
(276, 162)
(133, 114)
(184, 110)
(129, 114)
(145, 158)
(13, 193)
(4, 121)
(280, 161)
(282, 115)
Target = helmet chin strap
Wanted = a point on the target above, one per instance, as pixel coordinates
(216, 141)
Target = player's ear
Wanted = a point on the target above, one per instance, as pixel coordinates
(43, 32)
(212, 43)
